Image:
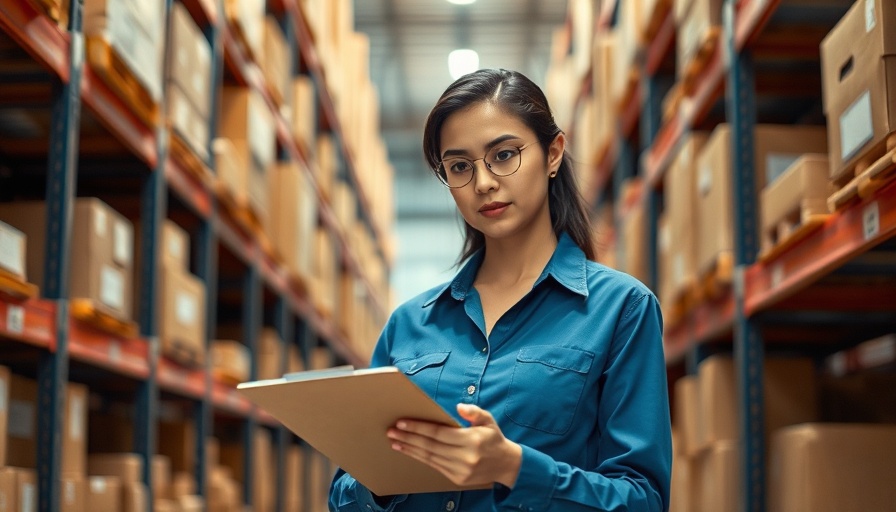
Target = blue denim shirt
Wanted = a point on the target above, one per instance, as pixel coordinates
(574, 372)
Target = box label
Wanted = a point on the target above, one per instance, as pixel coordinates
(185, 309)
(98, 485)
(870, 16)
(871, 221)
(704, 180)
(4, 395)
(29, 503)
(122, 243)
(175, 248)
(11, 250)
(99, 222)
(856, 126)
(112, 287)
(76, 418)
(21, 419)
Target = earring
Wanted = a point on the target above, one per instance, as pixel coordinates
(553, 174)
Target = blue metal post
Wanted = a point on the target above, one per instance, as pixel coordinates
(52, 374)
(252, 320)
(207, 270)
(307, 340)
(285, 328)
(651, 119)
(748, 347)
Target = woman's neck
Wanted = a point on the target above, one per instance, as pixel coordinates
(511, 261)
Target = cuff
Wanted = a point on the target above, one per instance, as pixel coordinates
(534, 485)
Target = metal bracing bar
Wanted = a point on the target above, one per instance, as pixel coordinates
(252, 320)
(748, 346)
(651, 120)
(52, 375)
(207, 270)
(307, 340)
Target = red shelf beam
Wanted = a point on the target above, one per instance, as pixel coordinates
(846, 235)
(120, 355)
(39, 35)
(29, 321)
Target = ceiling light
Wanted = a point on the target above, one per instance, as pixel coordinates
(462, 62)
(461, 2)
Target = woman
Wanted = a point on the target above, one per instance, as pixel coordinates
(554, 361)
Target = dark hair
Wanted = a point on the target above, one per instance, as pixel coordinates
(519, 96)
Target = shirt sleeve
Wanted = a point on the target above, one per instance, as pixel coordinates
(635, 445)
(346, 494)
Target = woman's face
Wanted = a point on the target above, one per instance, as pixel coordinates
(500, 206)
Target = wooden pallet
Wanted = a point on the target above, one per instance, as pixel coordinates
(117, 75)
(717, 279)
(869, 178)
(14, 286)
(695, 67)
(789, 233)
(191, 163)
(86, 310)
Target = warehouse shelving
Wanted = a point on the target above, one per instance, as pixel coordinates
(166, 187)
(830, 290)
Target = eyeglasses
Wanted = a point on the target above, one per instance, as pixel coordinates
(501, 160)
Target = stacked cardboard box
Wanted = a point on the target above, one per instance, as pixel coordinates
(628, 45)
(323, 284)
(102, 250)
(776, 148)
(303, 112)
(800, 193)
(246, 120)
(233, 458)
(247, 18)
(858, 60)
(135, 30)
(269, 355)
(605, 118)
(293, 217)
(230, 361)
(697, 21)
(181, 300)
(123, 471)
(275, 62)
(188, 75)
(634, 226)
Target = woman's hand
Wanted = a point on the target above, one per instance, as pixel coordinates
(476, 455)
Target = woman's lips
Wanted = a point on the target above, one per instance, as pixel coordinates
(493, 209)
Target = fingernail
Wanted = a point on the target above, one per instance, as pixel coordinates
(402, 425)
(396, 447)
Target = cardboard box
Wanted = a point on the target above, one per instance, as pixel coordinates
(720, 477)
(294, 358)
(161, 476)
(680, 197)
(191, 503)
(790, 394)
(635, 242)
(134, 496)
(74, 434)
(269, 355)
(165, 505)
(12, 250)
(187, 122)
(326, 163)
(628, 42)
(231, 169)
(697, 22)
(175, 247)
(275, 62)
(323, 289)
(858, 60)
(776, 148)
(304, 112)
(798, 194)
(247, 17)
(687, 414)
(832, 467)
(293, 217)
(685, 488)
(21, 433)
(102, 249)
(128, 467)
(103, 494)
(18, 490)
(183, 484)
(231, 361)
(224, 493)
(73, 497)
(602, 76)
(189, 60)
(294, 477)
(182, 322)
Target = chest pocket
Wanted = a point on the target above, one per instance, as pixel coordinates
(546, 387)
(424, 370)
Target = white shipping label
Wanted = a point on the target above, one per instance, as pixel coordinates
(4, 396)
(870, 15)
(21, 419)
(15, 319)
(76, 418)
(112, 287)
(704, 180)
(665, 238)
(856, 126)
(69, 492)
(29, 498)
(186, 309)
(98, 484)
(181, 114)
(871, 221)
(99, 222)
(776, 164)
(11, 250)
(122, 243)
(175, 248)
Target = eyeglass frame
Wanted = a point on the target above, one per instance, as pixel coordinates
(487, 166)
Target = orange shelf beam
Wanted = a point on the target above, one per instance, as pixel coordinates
(39, 35)
(174, 378)
(30, 321)
(117, 354)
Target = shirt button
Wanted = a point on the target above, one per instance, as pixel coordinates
(449, 506)
(471, 389)
(485, 349)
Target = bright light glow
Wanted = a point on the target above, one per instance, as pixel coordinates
(462, 62)
(461, 2)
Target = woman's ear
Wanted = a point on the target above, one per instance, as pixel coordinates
(555, 153)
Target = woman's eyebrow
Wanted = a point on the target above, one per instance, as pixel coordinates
(494, 142)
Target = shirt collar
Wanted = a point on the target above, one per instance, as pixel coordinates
(567, 266)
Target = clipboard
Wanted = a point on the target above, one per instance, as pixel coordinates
(344, 414)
